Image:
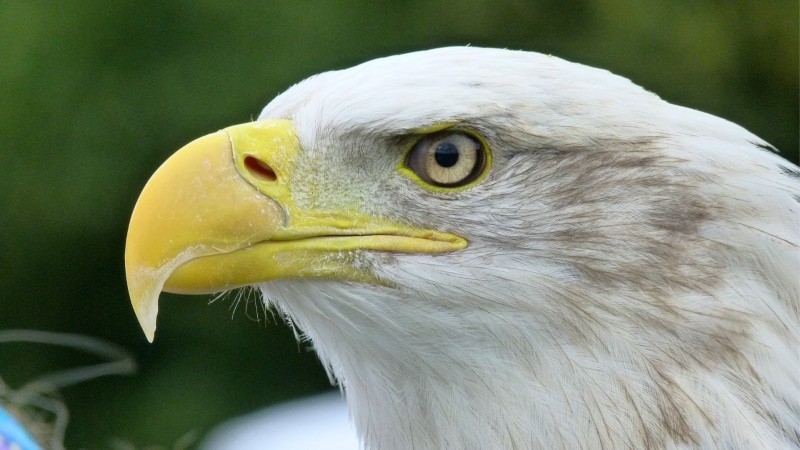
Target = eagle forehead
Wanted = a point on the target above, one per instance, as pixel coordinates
(415, 90)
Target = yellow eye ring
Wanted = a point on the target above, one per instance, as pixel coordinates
(448, 159)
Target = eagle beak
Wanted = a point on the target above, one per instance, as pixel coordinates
(219, 214)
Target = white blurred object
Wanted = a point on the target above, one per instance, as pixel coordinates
(320, 422)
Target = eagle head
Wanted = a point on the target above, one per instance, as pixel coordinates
(496, 249)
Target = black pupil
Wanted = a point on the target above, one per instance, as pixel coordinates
(446, 154)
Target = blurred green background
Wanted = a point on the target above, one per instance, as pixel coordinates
(96, 94)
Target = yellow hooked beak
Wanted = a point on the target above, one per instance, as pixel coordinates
(219, 214)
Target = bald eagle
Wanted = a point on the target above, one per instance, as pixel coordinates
(501, 249)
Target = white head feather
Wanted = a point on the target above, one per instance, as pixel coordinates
(631, 279)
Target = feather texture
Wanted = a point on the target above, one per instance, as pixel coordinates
(631, 279)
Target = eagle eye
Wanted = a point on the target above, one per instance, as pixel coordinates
(447, 159)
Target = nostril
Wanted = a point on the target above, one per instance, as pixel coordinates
(259, 169)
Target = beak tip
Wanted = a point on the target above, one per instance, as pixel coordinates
(148, 325)
(145, 305)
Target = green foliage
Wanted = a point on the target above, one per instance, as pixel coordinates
(96, 94)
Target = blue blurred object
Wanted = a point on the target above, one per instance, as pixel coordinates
(12, 435)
